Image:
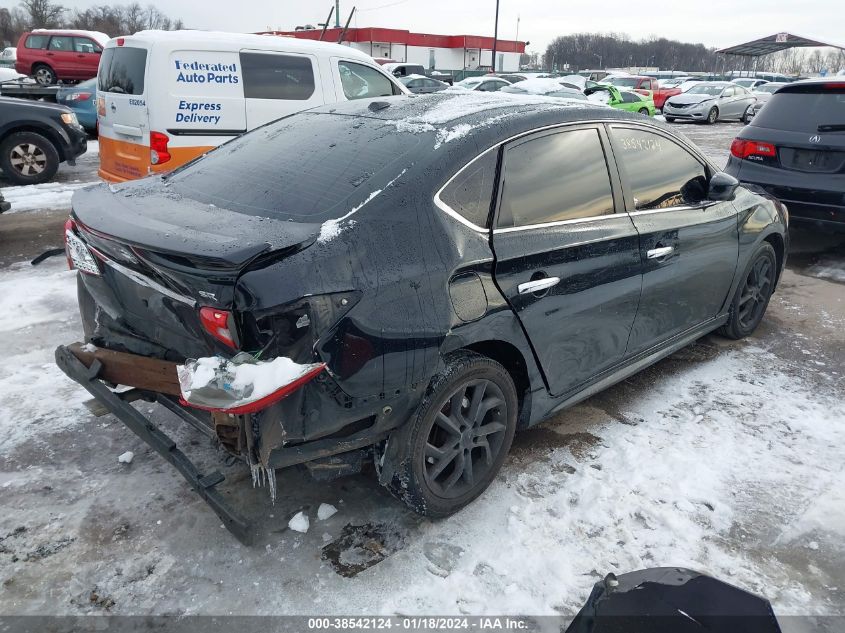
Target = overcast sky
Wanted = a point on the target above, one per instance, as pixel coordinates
(712, 22)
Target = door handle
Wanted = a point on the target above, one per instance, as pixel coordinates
(657, 253)
(538, 285)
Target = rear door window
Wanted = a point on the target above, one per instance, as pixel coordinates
(657, 172)
(274, 76)
(122, 70)
(36, 41)
(555, 177)
(362, 82)
(806, 111)
(61, 43)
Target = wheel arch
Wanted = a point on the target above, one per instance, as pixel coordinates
(513, 360)
(44, 130)
(777, 242)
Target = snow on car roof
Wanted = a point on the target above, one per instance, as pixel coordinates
(271, 42)
(97, 36)
(415, 76)
(540, 85)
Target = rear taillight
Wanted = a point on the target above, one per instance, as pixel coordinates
(215, 384)
(101, 106)
(68, 227)
(743, 148)
(79, 96)
(217, 323)
(79, 256)
(158, 148)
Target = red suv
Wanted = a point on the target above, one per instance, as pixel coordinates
(50, 55)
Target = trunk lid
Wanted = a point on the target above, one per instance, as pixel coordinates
(162, 257)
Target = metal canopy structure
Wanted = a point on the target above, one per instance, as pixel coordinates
(773, 44)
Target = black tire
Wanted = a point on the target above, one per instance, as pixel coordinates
(745, 118)
(712, 116)
(669, 119)
(44, 75)
(643, 111)
(28, 158)
(753, 294)
(419, 470)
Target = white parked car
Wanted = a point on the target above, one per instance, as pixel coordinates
(8, 57)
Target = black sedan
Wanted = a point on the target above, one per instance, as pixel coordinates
(411, 280)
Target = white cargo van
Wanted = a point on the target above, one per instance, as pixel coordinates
(166, 97)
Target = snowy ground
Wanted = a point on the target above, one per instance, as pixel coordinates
(726, 457)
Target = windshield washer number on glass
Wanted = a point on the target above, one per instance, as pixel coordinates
(634, 144)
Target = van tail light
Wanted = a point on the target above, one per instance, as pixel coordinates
(158, 148)
(218, 323)
(217, 384)
(101, 106)
(743, 148)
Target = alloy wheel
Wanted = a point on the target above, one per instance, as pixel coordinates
(465, 438)
(755, 293)
(44, 76)
(28, 159)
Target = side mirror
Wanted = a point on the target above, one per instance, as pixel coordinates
(722, 187)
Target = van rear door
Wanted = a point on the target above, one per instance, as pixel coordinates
(122, 113)
(278, 84)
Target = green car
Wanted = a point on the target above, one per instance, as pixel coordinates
(622, 99)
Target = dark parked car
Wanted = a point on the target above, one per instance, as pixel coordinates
(420, 276)
(82, 99)
(4, 206)
(795, 149)
(35, 137)
(421, 85)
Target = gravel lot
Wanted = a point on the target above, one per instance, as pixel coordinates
(726, 457)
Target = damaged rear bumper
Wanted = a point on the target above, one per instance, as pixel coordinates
(204, 485)
(156, 380)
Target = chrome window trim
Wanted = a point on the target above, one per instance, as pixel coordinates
(545, 225)
(454, 214)
(683, 207)
(149, 283)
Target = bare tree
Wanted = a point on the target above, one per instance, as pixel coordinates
(43, 14)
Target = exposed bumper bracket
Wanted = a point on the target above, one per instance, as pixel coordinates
(204, 485)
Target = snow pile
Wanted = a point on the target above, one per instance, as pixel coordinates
(220, 383)
(126, 458)
(326, 511)
(540, 86)
(50, 195)
(10, 74)
(299, 523)
(599, 96)
(828, 268)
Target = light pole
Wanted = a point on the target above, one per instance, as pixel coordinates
(495, 35)
(599, 56)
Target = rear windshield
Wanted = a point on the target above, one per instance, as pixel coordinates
(304, 168)
(122, 70)
(803, 111)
